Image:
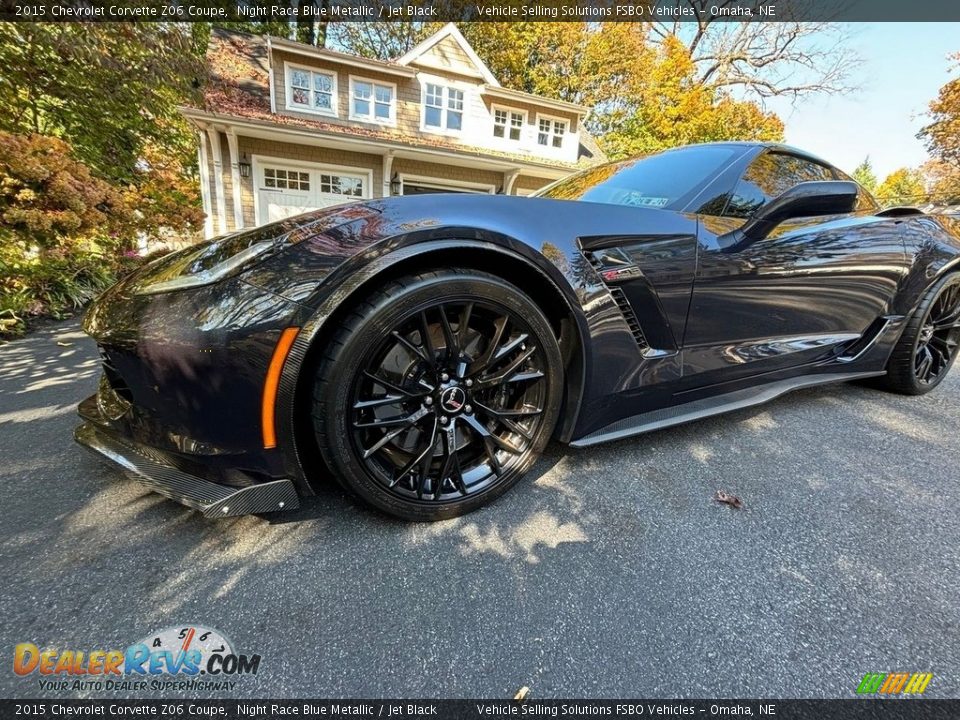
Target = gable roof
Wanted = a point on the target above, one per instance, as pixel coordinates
(299, 48)
(449, 31)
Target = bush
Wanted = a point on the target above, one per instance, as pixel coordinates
(63, 231)
(53, 285)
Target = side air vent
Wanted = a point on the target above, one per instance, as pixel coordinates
(620, 299)
(114, 378)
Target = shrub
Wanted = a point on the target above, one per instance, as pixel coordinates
(62, 230)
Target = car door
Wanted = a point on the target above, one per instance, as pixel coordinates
(811, 285)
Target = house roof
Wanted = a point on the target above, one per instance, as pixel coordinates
(449, 31)
(300, 48)
(238, 85)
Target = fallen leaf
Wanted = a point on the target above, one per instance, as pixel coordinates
(61, 343)
(522, 694)
(726, 498)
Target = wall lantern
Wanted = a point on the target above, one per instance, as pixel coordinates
(395, 184)
(244, 167)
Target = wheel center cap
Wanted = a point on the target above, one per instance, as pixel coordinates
(453, 399)
(926, 333)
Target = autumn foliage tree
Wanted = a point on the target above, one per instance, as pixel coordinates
(62, 229)
(644, 96)
(902, 187)
(94, 154)
(942, 138)
(48, 198)
(111, 91)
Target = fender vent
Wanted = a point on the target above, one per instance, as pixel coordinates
(621, 300)
(116, 381)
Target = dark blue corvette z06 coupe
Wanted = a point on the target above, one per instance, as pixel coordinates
(423, 350)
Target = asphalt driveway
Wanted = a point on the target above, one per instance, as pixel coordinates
(608, 572)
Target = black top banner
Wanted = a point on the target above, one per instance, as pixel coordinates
(666, 11)
(257, 709)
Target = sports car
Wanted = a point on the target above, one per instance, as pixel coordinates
(423, 350)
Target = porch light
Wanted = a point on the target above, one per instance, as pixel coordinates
(395, 184)
(244, 167)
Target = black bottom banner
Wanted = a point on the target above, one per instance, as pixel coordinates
(456, 709)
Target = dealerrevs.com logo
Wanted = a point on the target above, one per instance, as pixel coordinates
(176, 658)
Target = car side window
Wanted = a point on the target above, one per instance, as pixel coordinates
(770, 175)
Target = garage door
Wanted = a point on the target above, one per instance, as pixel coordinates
(285, 190)
(416, 188)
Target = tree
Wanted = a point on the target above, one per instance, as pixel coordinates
(377, 40)
(107, 88)
(902, 187)
(48, 198)
(665, 106)
(111, 91)
(942, 138)
(766, 59)
(943, 182)
(645, 96)
(864, 175)
(305, 29)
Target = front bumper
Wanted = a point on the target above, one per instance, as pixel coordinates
(179, 405)
(158, 471)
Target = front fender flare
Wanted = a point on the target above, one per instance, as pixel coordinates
(318, 321)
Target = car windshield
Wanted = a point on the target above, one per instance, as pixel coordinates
(667, 180)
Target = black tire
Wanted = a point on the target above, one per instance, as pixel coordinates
(927, 348)
(473, 434)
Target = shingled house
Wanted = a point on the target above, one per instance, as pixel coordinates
(287, 127)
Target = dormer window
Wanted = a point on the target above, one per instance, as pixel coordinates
(311, 90)
(442, 107)
(372, 101)
(507, 124)
(550, 132)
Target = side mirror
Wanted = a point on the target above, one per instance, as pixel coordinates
(807, 199)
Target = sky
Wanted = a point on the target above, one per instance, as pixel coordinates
(904, 65)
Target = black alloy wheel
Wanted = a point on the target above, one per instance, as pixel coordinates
(438, 394)
(928, 347)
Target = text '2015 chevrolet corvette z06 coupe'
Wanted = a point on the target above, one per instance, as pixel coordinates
(422, 350)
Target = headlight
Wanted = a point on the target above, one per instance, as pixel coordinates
(214, 260)
(204, 264)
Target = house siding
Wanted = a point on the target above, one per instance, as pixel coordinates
(477, 128)
(449, 56)
(241, 100)
(413, 170)
(528, 184)
(408, 92)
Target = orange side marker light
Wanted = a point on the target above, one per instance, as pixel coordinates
(268, 406)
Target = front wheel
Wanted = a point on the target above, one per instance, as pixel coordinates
(438, 393)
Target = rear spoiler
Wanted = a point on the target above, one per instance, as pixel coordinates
(900, 212)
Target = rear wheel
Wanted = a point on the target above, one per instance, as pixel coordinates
(928, 347)
(438, 393)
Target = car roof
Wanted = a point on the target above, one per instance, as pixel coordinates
(774, 146)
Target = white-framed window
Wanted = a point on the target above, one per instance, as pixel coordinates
(348, 185)
(442, 107)
(286, 179)
(508, 124)
(311, 90)
(373, 101)
(550, 131)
